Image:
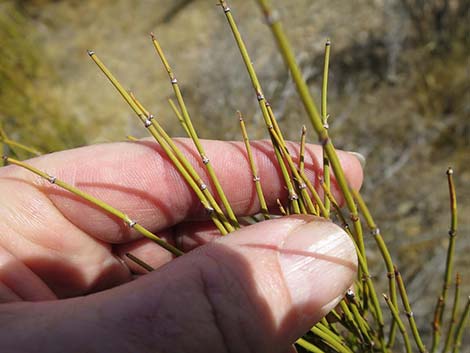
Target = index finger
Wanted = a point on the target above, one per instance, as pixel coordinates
(140, 180)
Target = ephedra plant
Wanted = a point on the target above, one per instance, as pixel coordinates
(364, 321)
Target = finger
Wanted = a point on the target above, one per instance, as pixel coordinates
(18, 282)
(138, 179)
(277, 278)
(55, 253)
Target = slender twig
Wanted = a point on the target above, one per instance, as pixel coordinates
(308, 346)
(186, 171)
(281, 208)
(375, 231)
(400, 324)
(179, 116)
(13, 144)
(99, 203)
(192, 172)
(140, 262)
(254, 169)
(409, 313)
(350, 321)
(338, 346)
(303, 139)
(314, 116)
(132, 138)
(441, 302)
(297, 177)
(293, 197)
(187, 119)
(366, 278)
(2, 145)
(460, 327)
(362, 323)
(324, 117)
(453, 318)
(331, 335)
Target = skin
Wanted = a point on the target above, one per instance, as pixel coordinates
(65, 282)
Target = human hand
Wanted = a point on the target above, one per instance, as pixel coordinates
(257, 289)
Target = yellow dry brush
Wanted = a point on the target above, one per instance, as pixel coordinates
(359, 323)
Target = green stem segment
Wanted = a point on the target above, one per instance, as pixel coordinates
(254, 170)
(193, 134)
(453, 318)
(293, 197)
(99, 203)
(409, 313)
(314, 116)
(140, 262)
(324, 118)
(179, 161)
(441, 302)
(401, 325)
(375, 231)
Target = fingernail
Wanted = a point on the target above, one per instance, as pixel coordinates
(319, 263)
(359, 157)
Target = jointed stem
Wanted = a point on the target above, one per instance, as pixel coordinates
(375, 231)
(193, 134)
(400, 324)
(189, 174)
(409, 313)
(293, 197)
(140, 262)
(99, 203)
(315, 119)
(324, 118)
(254, 171)
(453, 318)
(440, 306)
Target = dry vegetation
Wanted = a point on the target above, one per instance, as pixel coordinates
(399, 94)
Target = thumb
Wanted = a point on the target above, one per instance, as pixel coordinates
(255, 290)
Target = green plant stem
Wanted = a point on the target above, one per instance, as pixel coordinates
(254, 170)
(308, 346)
(315, 119)
(13, 144)
(179, 116)
(324, 117)
(293, 197)
(132, 138)
(460, 327)
(300, 180)
(330, 333)
(303, 139)
(140, 262)
(187, 119)
(330, 341)
(3, 145)
(400, 324)
(159, 133)
(375, 231)
(189, 175)
(362, 323)
(366, 278)
(453, 318)
(282, 210)
(409, 313)
(99, 203)
(441, 302)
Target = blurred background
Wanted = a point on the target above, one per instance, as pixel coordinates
(398, 94)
